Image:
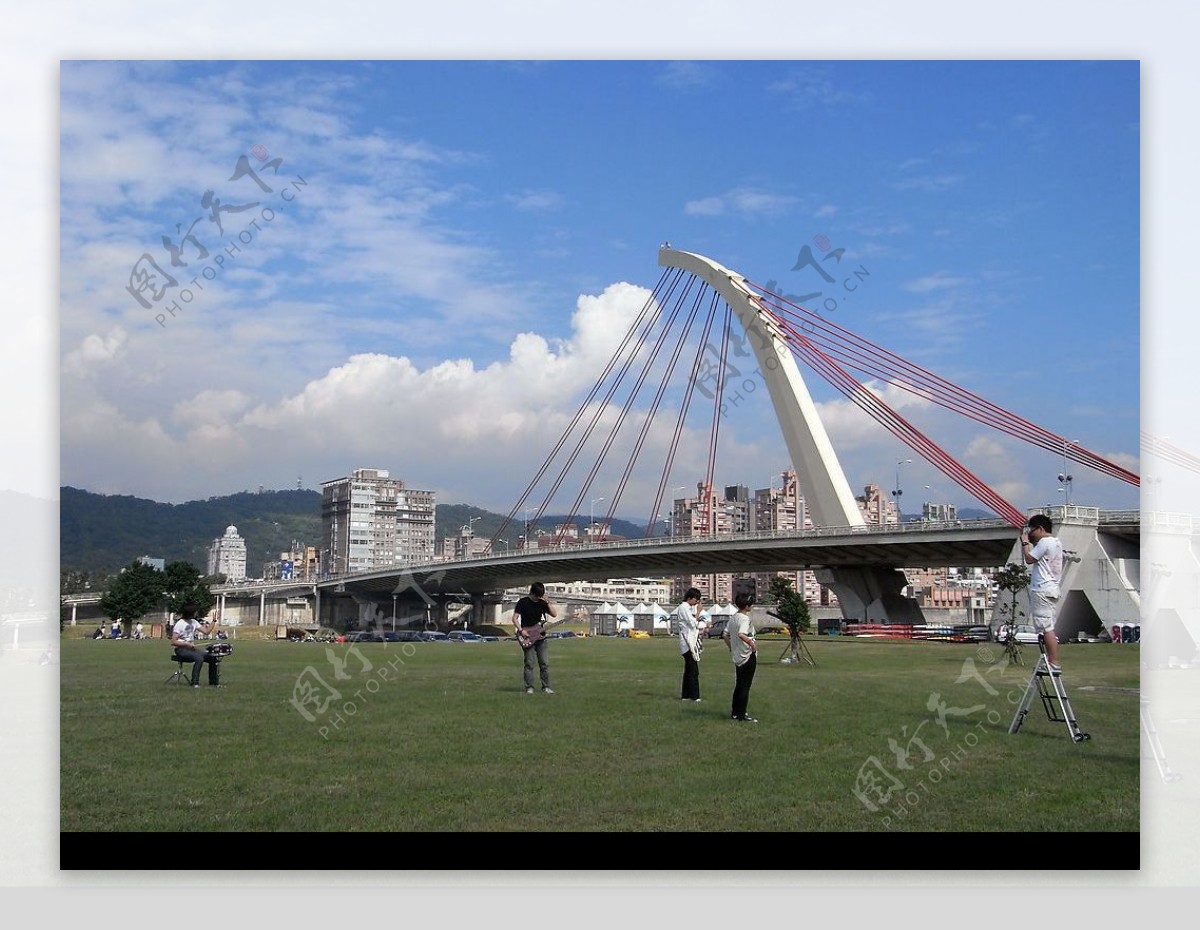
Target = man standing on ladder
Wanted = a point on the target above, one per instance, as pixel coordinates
(1045, 554)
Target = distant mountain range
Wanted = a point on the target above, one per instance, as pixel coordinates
(101, 533)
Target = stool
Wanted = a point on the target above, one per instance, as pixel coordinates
(182, 670)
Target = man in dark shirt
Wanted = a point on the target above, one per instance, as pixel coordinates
(527, 619)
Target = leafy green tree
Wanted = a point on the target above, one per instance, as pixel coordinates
(789, 604)
(185, 585)
(133, 593)
(1014, 579)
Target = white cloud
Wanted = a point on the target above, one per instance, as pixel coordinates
(95, 350)
(430, 422)
(929, 183)
(939, 280)
(686, 74)
(535, 201)
(745, 201)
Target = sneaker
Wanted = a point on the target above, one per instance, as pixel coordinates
(529, 691)
(547, 691)
(745, 719)
(194, 685)
(695, 700)
(1054, 669)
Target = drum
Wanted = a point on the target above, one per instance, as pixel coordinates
(220, 650)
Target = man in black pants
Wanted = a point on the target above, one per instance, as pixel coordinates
(739, 637)
(183, 636)
(689, 644)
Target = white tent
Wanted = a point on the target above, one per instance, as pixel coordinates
(624, 616)
(662, 618)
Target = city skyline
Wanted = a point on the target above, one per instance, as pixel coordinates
(397, 278)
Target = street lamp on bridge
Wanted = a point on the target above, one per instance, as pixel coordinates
(592, 518)
(1064, 478)
(898, 493)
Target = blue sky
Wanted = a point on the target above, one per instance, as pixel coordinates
(465, 242)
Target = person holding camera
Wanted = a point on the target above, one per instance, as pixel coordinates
(739, 637)
(1045, 554)
(527, 618)
(183, 636)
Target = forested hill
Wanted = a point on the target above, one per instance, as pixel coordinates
(101, 534)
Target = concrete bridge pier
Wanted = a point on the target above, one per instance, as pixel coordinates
(871, 594)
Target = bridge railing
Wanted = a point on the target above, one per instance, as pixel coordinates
(1080, 514)
(910, 527)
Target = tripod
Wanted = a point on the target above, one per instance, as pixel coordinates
(795, 651)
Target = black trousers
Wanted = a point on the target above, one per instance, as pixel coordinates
(691, 678)
(199, 657)
(744, 677)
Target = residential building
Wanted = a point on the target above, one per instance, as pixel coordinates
(370, 520)
(300, 563)
(227, 556)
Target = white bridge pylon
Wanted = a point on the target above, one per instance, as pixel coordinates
(869, 594)
(827, 493)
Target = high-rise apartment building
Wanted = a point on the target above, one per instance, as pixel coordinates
(371, 520)
(227, 556)
(876, 507)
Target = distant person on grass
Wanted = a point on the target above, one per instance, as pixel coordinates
(1045, 554)
(739, 637)
(689, 644)
(183, 636)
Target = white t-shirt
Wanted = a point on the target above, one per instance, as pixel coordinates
(185, 630)
(689, 627)
(739, 623)
(1046, 572)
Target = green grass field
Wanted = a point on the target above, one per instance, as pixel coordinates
(880, 736)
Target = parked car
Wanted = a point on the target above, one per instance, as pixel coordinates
(1023, 634)
(402, 636)
(464, 636)
(432, 636)
(365, 637)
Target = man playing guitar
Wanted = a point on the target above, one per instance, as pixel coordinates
(527, 618)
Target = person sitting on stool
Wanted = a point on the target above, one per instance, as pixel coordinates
(183, 636)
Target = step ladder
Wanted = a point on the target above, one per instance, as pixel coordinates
(1151, 734)
(1050, 688)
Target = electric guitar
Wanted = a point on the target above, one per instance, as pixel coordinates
(528, 635)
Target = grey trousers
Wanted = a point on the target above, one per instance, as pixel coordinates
(538, 651)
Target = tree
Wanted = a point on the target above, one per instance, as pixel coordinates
(1014, 579)
(185, 585)
(132, 594)
(792, 609)
(791, 606)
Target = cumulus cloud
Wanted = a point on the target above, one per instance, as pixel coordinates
(95, 350)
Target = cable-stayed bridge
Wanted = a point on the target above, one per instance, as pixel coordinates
(675, 359)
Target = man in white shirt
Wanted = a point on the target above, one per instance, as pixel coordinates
(689, 644)
(1045, 554)
(739, 637)
(183, 636)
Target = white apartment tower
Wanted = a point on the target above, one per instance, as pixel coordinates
(227, 556)
(371, 520)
